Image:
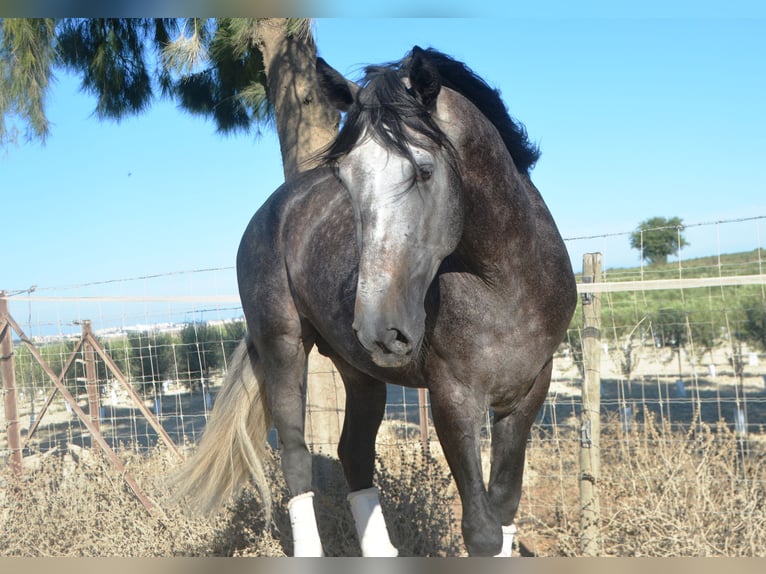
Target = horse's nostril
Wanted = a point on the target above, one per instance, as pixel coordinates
(389, 342)
(401, 337)
(399, 343)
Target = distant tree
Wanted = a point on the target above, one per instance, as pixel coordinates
(703, 333)
(151, 359)
(670, 330)
(625, 356)
(658, 237)
(202, 349)
(233, 333)
(755, 324)
(669, 326)
(30, 375)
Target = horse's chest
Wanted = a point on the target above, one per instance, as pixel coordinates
(486, 335)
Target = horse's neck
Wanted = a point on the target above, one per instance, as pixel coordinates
(499, 222)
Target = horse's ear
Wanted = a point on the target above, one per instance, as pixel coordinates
(424, 78)
(338, 90)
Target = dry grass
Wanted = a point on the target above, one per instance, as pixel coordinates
(68, 508)
(663, 493)
(86, 509)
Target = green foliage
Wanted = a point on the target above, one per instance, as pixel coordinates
(696, 320)
(202, 349)
(27, 56)
(211, 66)
(233, 333)
(658, 237)
(29, 374)
(755, 324)
(669, 325)
(146, 358)
(187, 52)
(109, 55)
(152, 358)
(232, 88)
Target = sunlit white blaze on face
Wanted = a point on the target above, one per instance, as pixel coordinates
(407, 220)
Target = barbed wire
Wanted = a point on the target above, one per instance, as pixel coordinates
(677, 227)
(26, 294)
(129, 279)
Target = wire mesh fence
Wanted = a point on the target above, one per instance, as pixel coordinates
(682, 355)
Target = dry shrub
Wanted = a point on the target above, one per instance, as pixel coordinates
(548, 517)
(418, 502)
(86, 509)
(665, 492)
(698, 493)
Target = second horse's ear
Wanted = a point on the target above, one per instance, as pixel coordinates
(424, 78)
(339, 91)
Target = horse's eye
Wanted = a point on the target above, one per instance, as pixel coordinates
(424, 173)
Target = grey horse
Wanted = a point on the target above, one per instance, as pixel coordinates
(419, 254)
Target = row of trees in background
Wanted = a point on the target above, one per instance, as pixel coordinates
(199, 350)
(732, 318)
(148, 358)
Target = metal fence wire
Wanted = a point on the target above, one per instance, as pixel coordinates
(680, 350)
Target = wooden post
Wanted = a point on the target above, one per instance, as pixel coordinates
(423, 411)
(325, 399)
(590, 429)
(7, 371)
(91, 378)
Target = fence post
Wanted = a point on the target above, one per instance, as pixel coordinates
(590, 429)
(91, 378)
(423, 412)
(7, 371)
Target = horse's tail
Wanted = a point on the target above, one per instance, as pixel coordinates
(233, 447)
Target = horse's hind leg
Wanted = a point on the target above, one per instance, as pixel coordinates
(365, 407)
(510, 432)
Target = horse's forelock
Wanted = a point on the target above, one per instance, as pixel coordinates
(386, 110)
(386, 107)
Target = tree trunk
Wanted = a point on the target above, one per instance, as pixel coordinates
(306, 123)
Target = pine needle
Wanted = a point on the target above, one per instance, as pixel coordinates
(186, 54)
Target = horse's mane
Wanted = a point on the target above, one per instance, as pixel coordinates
(387, 110)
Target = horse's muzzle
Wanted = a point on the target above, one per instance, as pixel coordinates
(389, 347)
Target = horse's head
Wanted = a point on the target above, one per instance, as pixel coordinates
(401, 175)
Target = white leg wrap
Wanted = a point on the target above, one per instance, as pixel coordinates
(370, 525)
(508, 533)
(304, 523)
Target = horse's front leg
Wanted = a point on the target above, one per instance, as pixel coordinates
(285, 363)
(458, 413)
(365, 407)
(510, 432)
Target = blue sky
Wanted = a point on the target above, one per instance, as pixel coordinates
(635, 118)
